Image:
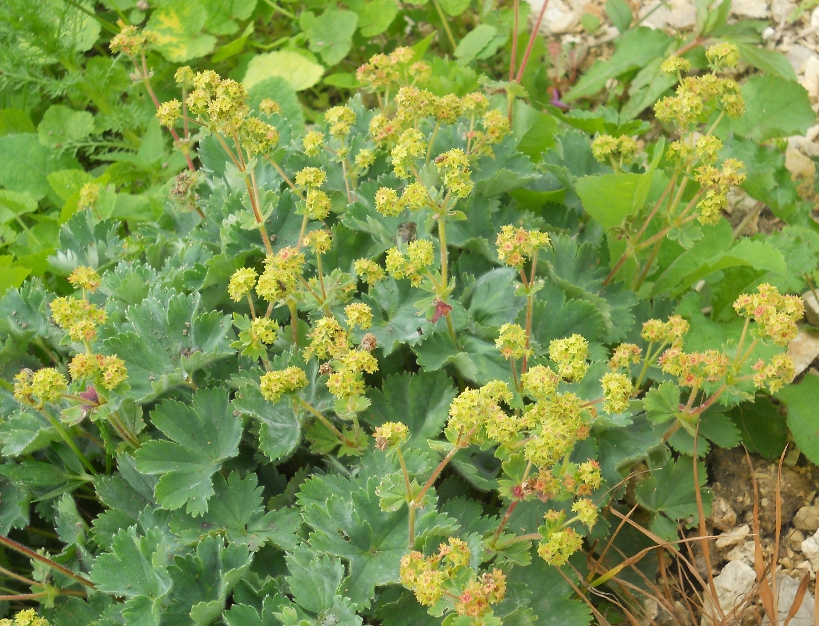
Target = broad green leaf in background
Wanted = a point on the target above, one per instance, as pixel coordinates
(202, 435)
(314, 578)
(646, 88)
(295, 68)
(619, 13)
(15, 121)
(374, 17)
(13, 205)
(279, 89)
(534, 130)
(222, 14)
(331, 33)
(177, 30)
(762, 427)
(769, 61)
(635, 49)
(279, 427)
(11, 274)
(479, 43)
(61, 126)
(774, 107)
(801, 401)
(454, 7)
(27, 163)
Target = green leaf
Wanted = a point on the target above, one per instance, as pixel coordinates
(801, 401)
(374, 17)
(475, 42)
(769, 61)
(236, 512)
(24, 432)
(491, 300)
(314, 578)
(395, 319)
(662, 403)
(618, 449)
(14, 507)
(555, 317)
(222, 15)
(330, 34)
(635, 49)
(279, 428)
(646, 88)
(66, 183)
(202, 436)
(202, 582)
(176, 28)
(295, 68)
(454, 7)
(27, 163)
(171, 339)
(421, 401)
(611, 198)
(774, 107)
(135, 569)
(535, 130)
(620, 14)
(12, 274)
(14, 121)
(279, 89)
(762, 427)
(61, 125)
(670, 491)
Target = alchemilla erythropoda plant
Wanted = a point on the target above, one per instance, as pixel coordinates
(399, 366)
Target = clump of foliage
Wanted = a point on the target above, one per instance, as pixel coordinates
(394, 366)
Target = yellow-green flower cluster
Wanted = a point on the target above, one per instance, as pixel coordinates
(217, 101)
(671, 331)
(495, 125)
(241, 283)
(279, 382)
(310, 177)
(129, 41)
(675, 64)
(313, 142)
(625, 355)
(281, 274)
(411, 145)
(390, 435)
(341, 120)
(258, 137)
(268, 106)
(455, 166)
(28, 617)
(359, 315)
(569, 354)
(415, 196)
(540, 382)
(617, 390)
(369, 271)
(694, 93)
(89, 195)
(606, 147)
(692, 369)
(556, 425)
(320, 240)
(265, 330)
(716, 183)
(85, 278)
(111, 369)
(346, 382)
(560, 545)
(420, 255)
(511, 341)
(327, 339)
(414, 104)
(364, 159)
(388, 203)
(383, 71)
(723, 55)
(586, 512)
(316, 204)
(775, 374)
(168, 113)
(442, 575)
(78, 317)
(707, 148)
(775, 314)
(46, 385)
(516, 245)
(473, 408)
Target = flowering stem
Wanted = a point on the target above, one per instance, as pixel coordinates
(504, 521)
(326, 422)
(294, 322)
(530, 303)
(123, 432)
(444, 462)
(444, 263)
(281, 173)
(15, 576)
(345, 173)
(514, 540)
(531, 43)
(445, 23)
(146, 79)
(55, 423)
(742, 338)
(10, 543)
(514, 53)
(432, 141)
(649, 263)
(408, 487)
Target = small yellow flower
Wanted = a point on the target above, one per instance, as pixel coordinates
(241, 283)
(390, 434)
(359, 315)
(85, 278)
(275, 384)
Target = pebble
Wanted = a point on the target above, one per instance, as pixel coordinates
(732, 585)
(722, 513)
(794, 540)
(679, 14)
(810, 80)
(799, 165)
(807, 518)
(811, 308)
(787, 590)
(810, 549)
(798, 56)
(814, 19)
(750, 8)
(803, 349)
(732, 537)
(561, 16)
(782, 10)
(743, 552)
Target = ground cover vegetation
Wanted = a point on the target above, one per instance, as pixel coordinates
(321, 314)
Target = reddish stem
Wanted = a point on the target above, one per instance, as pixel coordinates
(531, 43)
(514, 61)
(39, 557)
